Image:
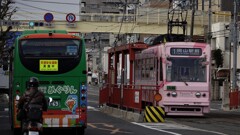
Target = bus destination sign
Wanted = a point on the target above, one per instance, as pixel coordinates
(186, 51)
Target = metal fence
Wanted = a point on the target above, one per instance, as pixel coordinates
(134, 97)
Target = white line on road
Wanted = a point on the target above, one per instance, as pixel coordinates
(92, 108)
(92, 101)
(139, 124)
(4, 116)
(161, 126)
(93, 94)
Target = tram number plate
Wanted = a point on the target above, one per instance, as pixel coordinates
(54, 103)
(186, 94)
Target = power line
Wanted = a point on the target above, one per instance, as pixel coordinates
(64, 3)
(40, 8)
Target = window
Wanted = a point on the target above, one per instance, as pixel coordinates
(186, 69)
(50, 47)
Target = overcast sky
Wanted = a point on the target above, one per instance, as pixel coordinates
(35, 9)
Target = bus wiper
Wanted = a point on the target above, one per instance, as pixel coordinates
(185, 82)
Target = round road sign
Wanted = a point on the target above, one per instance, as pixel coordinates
(70, 17)
(48, 17)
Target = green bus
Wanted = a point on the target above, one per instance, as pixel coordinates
(58, 60)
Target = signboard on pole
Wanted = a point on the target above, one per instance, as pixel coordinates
(48, 17)
(70, 18)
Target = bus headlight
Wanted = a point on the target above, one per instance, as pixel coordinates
(174, 94)
(198, 94)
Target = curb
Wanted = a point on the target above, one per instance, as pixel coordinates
(122, 114)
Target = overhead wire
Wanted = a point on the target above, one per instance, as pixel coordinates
(64, 3)
(39, 8)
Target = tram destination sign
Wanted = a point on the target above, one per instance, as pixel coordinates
(186, 51)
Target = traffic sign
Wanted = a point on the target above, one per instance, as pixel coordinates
(48, 17)
(70, 17)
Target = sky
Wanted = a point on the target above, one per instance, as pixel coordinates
(36, 9)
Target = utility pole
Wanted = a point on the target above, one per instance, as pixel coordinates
(235, 43)
(80, 9)
(209, 22)
(100, 59)
(192, 20)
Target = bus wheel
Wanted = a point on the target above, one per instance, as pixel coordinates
(80, 131)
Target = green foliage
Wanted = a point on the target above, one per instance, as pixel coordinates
(218, 57)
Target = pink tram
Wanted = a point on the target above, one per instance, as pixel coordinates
(181, 70)
(173, 75)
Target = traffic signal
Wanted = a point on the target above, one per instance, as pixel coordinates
(36, 24)
(31, 24)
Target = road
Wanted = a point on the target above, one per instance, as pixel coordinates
(217, 122)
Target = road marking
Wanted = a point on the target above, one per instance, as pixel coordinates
(154, 128)
(93, 94)
(107, 127)
(165, 126)
(93, 101)
(92, 108)
(4, 116)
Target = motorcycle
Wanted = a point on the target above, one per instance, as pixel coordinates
(34, 126)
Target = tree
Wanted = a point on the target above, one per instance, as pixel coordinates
(6, 12)
(217, 55)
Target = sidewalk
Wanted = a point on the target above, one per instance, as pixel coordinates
(217, 106)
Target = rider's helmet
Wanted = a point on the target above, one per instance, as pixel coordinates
(33, 82)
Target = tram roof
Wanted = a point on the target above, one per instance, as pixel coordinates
(127, 47)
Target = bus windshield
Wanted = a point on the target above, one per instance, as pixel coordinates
(186, 70)
(50, 47)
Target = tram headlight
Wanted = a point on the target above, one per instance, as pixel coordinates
(204, 95)
(174, 94)
(168, 94)
(198, 94)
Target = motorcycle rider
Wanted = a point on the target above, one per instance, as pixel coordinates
(37, 98)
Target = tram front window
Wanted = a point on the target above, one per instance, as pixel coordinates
(186, 70)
